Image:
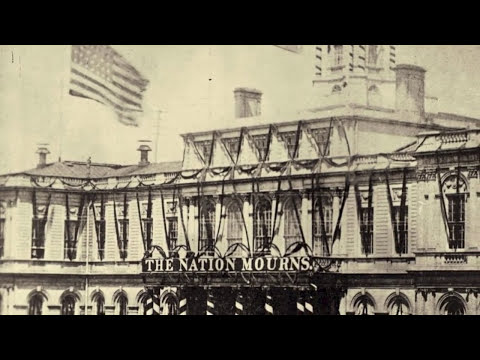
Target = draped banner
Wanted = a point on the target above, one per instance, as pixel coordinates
(227, 265)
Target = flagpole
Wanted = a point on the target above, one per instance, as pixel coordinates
(63, 87)
(157, 133)
(86, 260)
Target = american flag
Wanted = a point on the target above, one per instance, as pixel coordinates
(100, 73)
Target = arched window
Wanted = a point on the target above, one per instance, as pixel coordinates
(35, 304)
(452, 306)
(291, 230)
(322, 243)
(262, 224)
(364, 306)
(374, 96)
(234, 226)
(68, 305)
(207, 228)
(170, 306)
(455, 196)
(121, 304)
(99, 304)
(398, 306)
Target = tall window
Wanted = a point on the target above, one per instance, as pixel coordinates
(70, 243)
(170, 307)
(68, 305)
(290, 139)
(99, 302)
(456, 220)
(322, 244)
(398, 306)
(338, 55)
(291, 230)
(401, 227)
(234, 227)
(123, 229)
(373, 54)
(39, 222)
(148, 231)
(455, 190)
(261, 142)
(204, 148)
(207, 228)
(35, 305)
(2, 230)
(366, 230)
(364, 306)
(122, 304)
(262, 224)
(100, 230)
(172, 233)
(453, 306)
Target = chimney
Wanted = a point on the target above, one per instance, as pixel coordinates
(410, 91)
(42, 152)
(144, 150)
(248, 102)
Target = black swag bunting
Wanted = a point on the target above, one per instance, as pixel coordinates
(399, 236)
(100, 227)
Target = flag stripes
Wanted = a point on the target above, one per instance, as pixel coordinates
(352, 58)
(393, 56)
(319, 60)
(99, 73)
(361, 62)
(293, 48)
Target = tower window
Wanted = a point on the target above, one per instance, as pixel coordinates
(338, 55)
(373, 54)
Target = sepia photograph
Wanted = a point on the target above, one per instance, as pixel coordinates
(232, 180)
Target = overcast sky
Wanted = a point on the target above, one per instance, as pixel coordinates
(191, 84)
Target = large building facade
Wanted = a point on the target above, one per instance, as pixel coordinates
(365, 204)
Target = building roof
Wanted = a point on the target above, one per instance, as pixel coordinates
(150, 169)
(82, 170)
